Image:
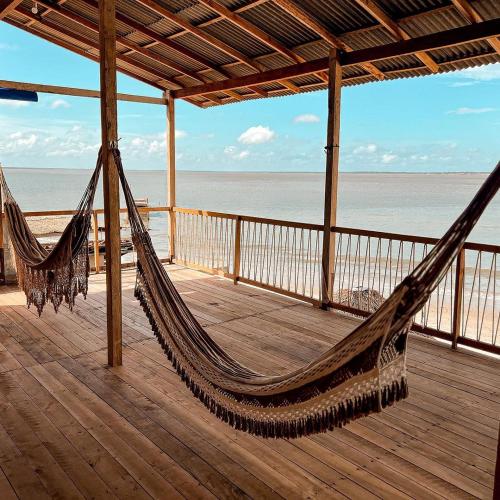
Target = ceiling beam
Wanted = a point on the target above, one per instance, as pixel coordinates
(7, 6)
(456, 36)
(72, 16)
(203, 35)
(398, 32)
(77, 92)
(255, 31)
(94, 44)
(470, 13)
(304, 17)
(81, 52)
(212, 40)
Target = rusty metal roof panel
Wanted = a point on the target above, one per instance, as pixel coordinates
(344, 18)
(280, 24)
(237, 38)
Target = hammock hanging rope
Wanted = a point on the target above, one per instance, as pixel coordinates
(362, 374)
(61, 274)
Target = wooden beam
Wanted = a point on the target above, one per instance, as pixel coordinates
(203, 35)
(212, 40)
(439, 40)
(72, 16)
(251, 29)
(109, 126)
(88, 24)
(397, 31)
(470, 13)
(448, 38)
(76, 92)
(171, 171)
(332, 175)
(303, 16)
(7, 6)
(81, 52)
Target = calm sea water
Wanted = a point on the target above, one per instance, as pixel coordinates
(421, 204)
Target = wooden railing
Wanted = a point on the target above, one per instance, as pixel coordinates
(285, 257)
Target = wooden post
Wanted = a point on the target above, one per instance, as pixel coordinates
(332, 173)
(171, 170)
(237, 250)
(96, 243)
(109, 125)
(458, 299)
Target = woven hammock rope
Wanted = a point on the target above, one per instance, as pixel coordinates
(362, 374)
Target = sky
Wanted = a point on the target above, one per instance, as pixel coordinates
(442, 123)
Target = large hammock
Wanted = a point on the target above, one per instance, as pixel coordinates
(362, 374)
(61, 274)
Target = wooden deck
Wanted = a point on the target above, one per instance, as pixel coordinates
(72, 428)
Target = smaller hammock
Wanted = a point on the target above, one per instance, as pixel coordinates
(362, 374)
(59, 274)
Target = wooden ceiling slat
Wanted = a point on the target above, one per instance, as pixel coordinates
(470, 13)
(398, 32)
(7, 6)
(457, 36)
(315, 25)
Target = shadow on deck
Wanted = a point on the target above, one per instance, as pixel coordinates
(71, 427)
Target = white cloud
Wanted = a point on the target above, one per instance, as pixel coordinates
(180, 134)
(59, 103)
(13, 104)
(388, 158)
(482, 73)
(470, 111)
(306, 118)
(369, 148)
(256, 135)
(235, 154)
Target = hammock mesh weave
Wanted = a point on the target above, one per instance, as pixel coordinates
(59, 274)
(362, 374)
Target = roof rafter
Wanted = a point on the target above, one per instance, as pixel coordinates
(398, 32)
(212, 40)
(301, 15)
(255, 31)
(470, 13)
(449, 38)
(122, 41)
(7, 6)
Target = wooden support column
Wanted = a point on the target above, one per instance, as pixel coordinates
(171, 170)
(332, 174)
(109, 125)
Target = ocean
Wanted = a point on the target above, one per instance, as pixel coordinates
(409, 203)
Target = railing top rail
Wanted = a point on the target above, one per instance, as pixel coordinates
(484, 247)
(55, 213)
(249, 218)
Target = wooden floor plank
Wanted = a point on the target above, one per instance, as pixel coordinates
(71, 427)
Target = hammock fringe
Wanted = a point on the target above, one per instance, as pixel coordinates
(338, 416)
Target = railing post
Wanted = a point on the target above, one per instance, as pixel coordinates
(458, 299)
(237, 250)
(96, 243)
(171, 171)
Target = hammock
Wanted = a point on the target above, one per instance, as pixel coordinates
(362, 374)
(61, 273)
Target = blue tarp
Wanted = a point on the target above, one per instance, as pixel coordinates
(18, 95)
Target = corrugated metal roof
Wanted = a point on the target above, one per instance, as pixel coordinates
(205, 55)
